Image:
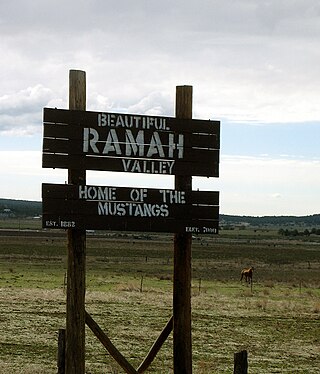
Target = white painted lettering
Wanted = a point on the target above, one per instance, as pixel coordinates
(91, 193)
(138, 194)
(97, 193)
(112, 143)
(130, 120)
(120, 121)
(67, 224)
(134, 195)
(90, 142)
(132, 209)
(148, 166)
(173, 196)
(209, 230)
(155, 147)
(142, 144)
(101, 210)
(126, 164)
(133, 145)
(136, 167)
(83, 192)
(176, 146)
(192, 229)
(51, 224)
(137, 120)
(102, 119)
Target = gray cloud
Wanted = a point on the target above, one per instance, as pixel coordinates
(167, 19)
(251, 60)
(20, 111)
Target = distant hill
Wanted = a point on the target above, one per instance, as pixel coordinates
(25, 208)
(312, 220)
(20, 208)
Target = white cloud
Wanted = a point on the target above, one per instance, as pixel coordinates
(276, 195)
(155, 103)
(25, 100)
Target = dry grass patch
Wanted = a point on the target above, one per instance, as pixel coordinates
(277, 323)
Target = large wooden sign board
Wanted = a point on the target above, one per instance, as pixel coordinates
(129, 209)
(130, 143)
(83, 140)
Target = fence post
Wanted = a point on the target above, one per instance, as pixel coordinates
(241, 363)
(61, 359)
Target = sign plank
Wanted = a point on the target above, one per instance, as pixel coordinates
(137, 121)
(130, 209)
(130, 143)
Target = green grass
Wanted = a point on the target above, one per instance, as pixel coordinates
(21, 224)
(278, 322)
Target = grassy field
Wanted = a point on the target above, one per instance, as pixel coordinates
(129, 293)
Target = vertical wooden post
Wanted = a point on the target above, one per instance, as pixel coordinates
(240, 363)
(182, 342)
(75, 324)
(61, 359)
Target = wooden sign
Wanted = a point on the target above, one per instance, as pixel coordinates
(129, 209)
(130, 143)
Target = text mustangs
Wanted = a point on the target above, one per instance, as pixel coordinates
(132, 209)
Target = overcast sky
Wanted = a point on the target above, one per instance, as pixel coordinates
(253, 64)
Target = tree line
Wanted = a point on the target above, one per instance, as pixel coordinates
(20, 208)
(295, 232)
(280, 221)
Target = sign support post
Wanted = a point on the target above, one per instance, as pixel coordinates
(182, 341)
(75, 324)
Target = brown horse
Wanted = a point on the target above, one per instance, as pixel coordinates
(247, 274)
